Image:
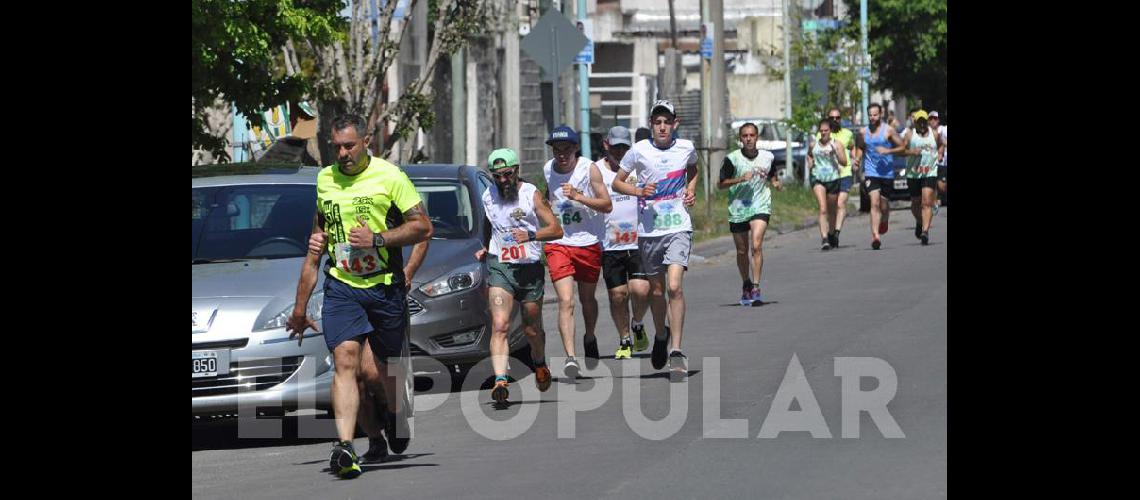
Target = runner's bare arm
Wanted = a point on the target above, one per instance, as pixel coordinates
(317, 237)
(689, 197)
(894, 138)
(298, 321)
(601, 200)
(841, 154)
(906, 141)
(415, 260)
(416, 228)
(551, 230)
(623, 187)
(809, 159)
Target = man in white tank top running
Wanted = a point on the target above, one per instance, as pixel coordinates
(579, 198)
(621, 261)
(518, 221)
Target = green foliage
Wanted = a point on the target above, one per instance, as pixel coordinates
(235, 46)
(907, 43)
(835, 51)
(805, 109)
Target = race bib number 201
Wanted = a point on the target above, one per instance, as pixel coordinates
(513, 253)
(511, 250)
(356, 261)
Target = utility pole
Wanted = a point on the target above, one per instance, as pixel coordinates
(864, 71)
(716, 101)
(584, 92)
(789, 162)
(458, 108)
(672, 25)
(706, 106)
(512, 87)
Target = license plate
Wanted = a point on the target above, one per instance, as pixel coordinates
(900, 184)
(205, 364)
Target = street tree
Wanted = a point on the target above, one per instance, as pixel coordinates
(236, 48)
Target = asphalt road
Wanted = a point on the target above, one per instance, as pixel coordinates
(853, 311)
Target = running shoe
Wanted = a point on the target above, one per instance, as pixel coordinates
(542, 377)
(625, 349)
(343, 461)
(500, 393)
(377, 450)
(591, 345)
(756, 298)
(660, 351)
(395, 443)
(678, 366)
(571, 368)
(640, 339)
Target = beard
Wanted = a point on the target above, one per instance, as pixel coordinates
(508, 191)
(921, 127)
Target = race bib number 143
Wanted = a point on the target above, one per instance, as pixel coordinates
(356, 261)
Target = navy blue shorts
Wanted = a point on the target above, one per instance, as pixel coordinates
(845, 184)
(380, 312)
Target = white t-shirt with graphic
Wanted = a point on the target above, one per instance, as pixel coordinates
(664, 212)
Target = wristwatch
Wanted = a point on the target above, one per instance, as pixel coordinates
(378, 240)
(530, 235)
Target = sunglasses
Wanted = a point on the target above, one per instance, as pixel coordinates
(507, 174)
(835, 117)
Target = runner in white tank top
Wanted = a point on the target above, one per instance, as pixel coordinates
(515, 210)
(579, 198)
(621, 261)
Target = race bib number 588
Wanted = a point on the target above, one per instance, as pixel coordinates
(668, 216)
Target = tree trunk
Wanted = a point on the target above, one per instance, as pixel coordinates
(327, 110)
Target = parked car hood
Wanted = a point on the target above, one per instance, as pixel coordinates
(273, 277)
(444, 256)
(249, 278)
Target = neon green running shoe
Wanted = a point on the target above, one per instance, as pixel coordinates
(640, 339)
(344, 461)
(624, 350)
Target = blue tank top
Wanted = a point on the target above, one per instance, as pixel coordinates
(875, 164)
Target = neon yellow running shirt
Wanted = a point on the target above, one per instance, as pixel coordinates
(380, 195)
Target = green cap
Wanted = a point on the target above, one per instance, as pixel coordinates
(508, 156)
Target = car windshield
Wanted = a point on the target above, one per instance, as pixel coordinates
(273, 221)
(251, 221)
(448, 204)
